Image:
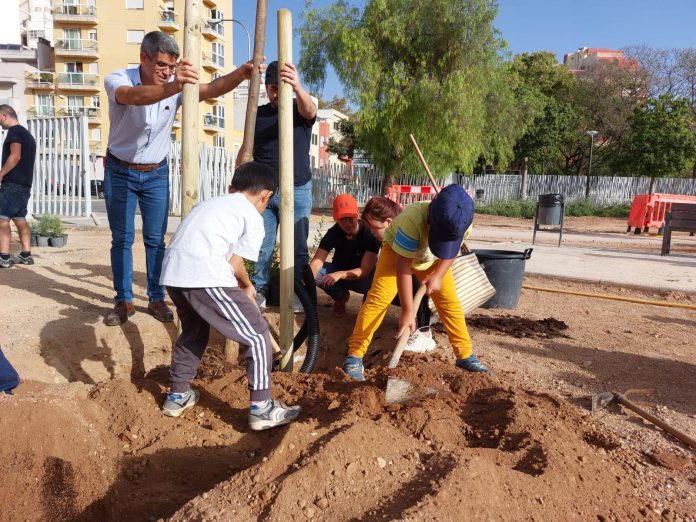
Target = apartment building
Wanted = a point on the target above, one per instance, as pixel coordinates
(327, 123)
(96, 37)
(586, 57)
(35, 22)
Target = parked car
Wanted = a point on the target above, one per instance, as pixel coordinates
(97, 188)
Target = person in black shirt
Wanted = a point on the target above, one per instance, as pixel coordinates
(16, 176)
(267, 151)
(355, 254)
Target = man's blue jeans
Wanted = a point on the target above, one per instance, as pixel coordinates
(124, 188)
(271, 217)
(341, 288)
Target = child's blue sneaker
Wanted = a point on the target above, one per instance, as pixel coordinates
(353, 366)
(472, 364)
(176, 403)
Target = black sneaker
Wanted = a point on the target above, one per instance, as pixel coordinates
(22, 260)
(6, 263)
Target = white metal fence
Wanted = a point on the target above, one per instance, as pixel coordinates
(61, 183)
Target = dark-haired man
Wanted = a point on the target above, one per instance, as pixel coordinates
(267, 151)
(205, 276)
(16, 177)
(142, 104)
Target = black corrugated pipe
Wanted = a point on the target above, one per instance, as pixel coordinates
(306, 291)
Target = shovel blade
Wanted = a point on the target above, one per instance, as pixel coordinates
(401, 391)
(600, 400)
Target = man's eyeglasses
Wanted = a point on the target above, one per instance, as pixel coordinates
(162, 65)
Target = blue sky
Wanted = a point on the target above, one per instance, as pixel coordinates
(560, 26)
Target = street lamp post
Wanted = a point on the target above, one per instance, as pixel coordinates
(216, 21)
(591, 134)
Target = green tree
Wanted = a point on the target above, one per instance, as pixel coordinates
(345, 145)
(425, 68)
(661, 142)
(337, 102)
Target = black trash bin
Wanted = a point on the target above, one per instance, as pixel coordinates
(505, 271)
(550, 210)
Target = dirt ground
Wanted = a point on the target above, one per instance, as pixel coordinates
(83, 437)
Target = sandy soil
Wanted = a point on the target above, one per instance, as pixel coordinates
(84, 438)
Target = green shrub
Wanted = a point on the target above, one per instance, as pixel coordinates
(526, 209)
(49, 226)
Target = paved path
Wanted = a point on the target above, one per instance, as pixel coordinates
(623, 259)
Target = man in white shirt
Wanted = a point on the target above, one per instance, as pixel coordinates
(203, 271)
(142, 105)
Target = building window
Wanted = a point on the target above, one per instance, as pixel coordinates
(219, 141)
(219, 54)
(134, 36)
(92, 34)
(314, 139)
(44, 105)
(96, 102)
(219, 112)
(135, 4)
(217, 15)
(96, 134)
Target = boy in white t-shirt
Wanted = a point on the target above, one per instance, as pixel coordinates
(203, 271)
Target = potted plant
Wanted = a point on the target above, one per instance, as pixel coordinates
(34, 233)
(58, 238)
(44, 230)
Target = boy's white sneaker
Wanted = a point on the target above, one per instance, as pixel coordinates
(421, 341)
(274, 414)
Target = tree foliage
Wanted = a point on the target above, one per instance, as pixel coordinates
(345, 145)
(412, 66)
(661, 142)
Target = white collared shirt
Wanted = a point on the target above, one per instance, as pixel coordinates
(139, 133)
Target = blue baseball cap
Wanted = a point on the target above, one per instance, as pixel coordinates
(449, 215)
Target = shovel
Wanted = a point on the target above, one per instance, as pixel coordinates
(400, 390)
(600, 400)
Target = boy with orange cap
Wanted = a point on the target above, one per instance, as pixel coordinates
(355, 254)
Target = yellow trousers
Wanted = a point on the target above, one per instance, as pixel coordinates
(384, 290)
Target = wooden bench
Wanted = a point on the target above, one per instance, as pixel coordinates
(681, 218)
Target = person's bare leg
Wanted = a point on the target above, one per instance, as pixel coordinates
(23, 232)
(4, 236)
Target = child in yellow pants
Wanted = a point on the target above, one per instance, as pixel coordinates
(423, 240)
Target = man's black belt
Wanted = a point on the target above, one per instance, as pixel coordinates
(143, 167)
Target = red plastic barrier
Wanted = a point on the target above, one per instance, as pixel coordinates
(407, 194)
(650, 210)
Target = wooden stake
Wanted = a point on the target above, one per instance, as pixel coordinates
(247, 150)
(287, 199)
(189, 110)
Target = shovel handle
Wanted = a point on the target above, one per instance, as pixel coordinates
(425, 164)
(686, 439)
(401, 343)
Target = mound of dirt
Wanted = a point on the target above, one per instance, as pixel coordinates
(519, 327)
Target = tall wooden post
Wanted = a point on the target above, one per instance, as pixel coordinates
(246, 152)
(189, 110)
(287, 196)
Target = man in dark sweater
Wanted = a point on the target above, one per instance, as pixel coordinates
(267, 151)
(16, 176)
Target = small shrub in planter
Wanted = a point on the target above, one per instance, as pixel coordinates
(58, 238)
(50, 231)
(34, 233)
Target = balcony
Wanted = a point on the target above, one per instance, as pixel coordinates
(211, 61)
(213, 31)
(212, 123)
(41, 111)
(41, 80)
(168, 21)
(210, 3)
(77, 81)
(77, 48)
(75, 14)
(93, 113)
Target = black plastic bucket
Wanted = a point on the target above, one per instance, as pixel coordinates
(505, 271)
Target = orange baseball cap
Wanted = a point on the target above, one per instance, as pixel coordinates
(345, 206)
